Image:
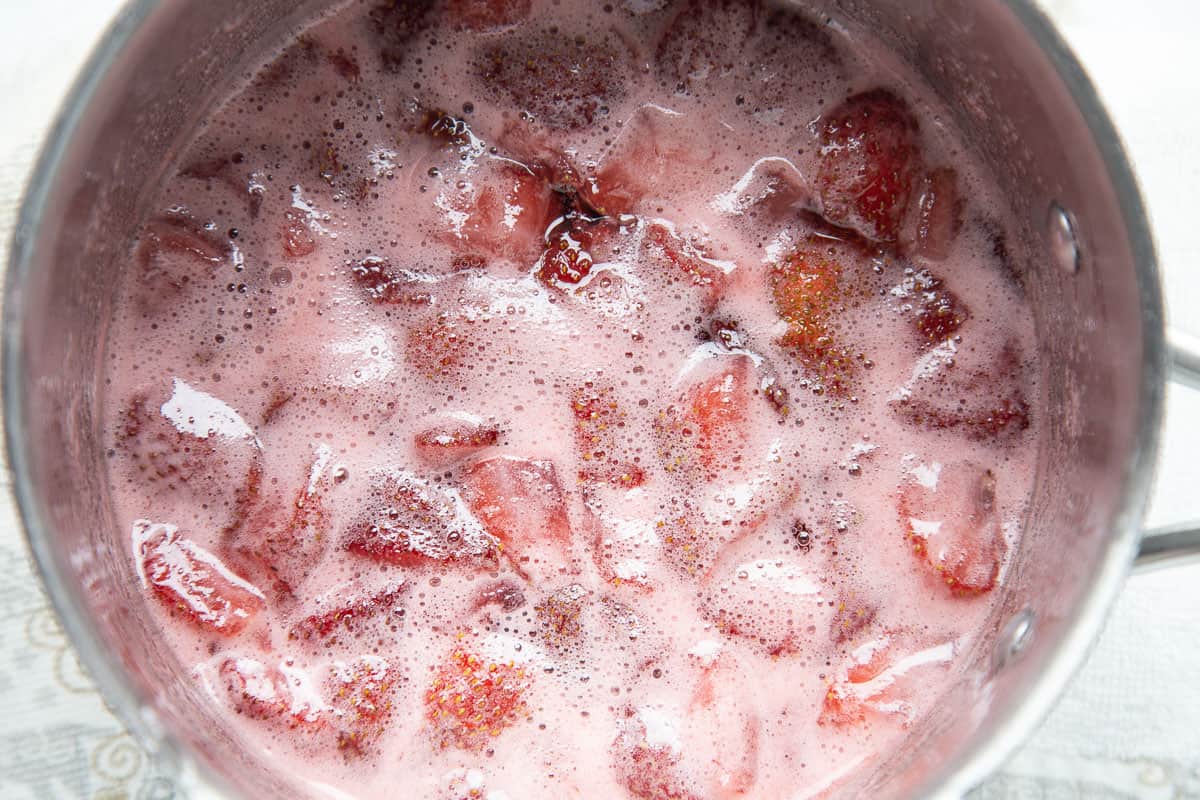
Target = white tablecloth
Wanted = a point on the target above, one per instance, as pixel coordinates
(1128, 727)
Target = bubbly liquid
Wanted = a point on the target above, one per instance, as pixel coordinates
(487, 425)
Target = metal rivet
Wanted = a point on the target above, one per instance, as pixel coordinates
(1014, 637)
(1064, 238)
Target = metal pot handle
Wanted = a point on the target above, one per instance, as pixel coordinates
(1178, 543)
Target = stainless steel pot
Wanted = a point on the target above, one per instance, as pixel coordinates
(1091, 274)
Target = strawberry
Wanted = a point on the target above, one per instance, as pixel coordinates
(174, 252)
(566, 261)
(975, 389)
(268, 694)
(706, 428)
(935, 215)
(503, 213)
(439, 346)
(810, 291)
(520, 502)
(564, 81)
(879, 682)
(688, 261)
(351, 616)
(949, 515)
(298, 239)
(488, 15)
(695, 49)
(503, 593)
(599, 427)
(453, 438)
(361, 692)
(938, 313)
(868, 162)
(281, 524)
(472, 700)
(559, 614)
(193, 582)
(344, 64)
(852, 615)
(393, 24)
(388, 285)
(411, 523)
(649, 768)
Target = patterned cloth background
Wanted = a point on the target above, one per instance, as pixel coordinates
(1128, 727)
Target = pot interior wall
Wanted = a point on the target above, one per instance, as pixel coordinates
(1006, 96)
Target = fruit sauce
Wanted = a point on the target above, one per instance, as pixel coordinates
(532, 399)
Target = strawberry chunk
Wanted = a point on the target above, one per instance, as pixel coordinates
(811, 293)
(298, 239)
(559, 615)
(599, 428)
(564, 81)
(503, 593)
(272, 694)
(520, 502)
(387, 285)
(976, 389)
(650, 769)
(394, 24)
(567, 259)
(362, 693)
(175, 252)
(938, 313)
(350, 617)
(412, 523)
(935, 215)
(488, 15)
(869, 160)
(949, 516)
(503, 213)
(439, 347)
(852, 615)
(281, 523)
(706, 428)
(880, 681)
(453, 438)
(689, 261)
(193, 582)
(472, 700)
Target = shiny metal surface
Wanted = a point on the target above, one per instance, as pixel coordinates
(1016, 90)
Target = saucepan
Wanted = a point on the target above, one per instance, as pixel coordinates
(1090, 273)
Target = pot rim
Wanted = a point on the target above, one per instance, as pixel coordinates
(1012, 726)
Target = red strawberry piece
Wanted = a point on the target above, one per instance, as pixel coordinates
(976, 389)
(852, 615)
(454, 437)
(344, 64)
(413, 523)
(655, 154)
(488, 15)
(386, 284)
(949, 516)
(267, 693)
(566, 260)
(935, 215)
(281, 523)
(696, 48)
(159, 452)
(351, 616)
(648, 759)
(599, 428)
(565, 81)
(193, 582)
(707, 426)
(868, 163)
(503, 213)
(298, 239)
(361, 694)
(503, 593)
(689, 261)
(393, 24)
(938, 313)
(472, 700)
(559, 615)
(174, 252)
(810, 291)
(520, 502)
(880, 681)
(438, 347)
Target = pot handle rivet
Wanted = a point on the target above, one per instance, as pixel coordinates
(1014, 637)
(1064, 238)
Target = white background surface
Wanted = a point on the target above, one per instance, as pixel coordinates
(1130, 724)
